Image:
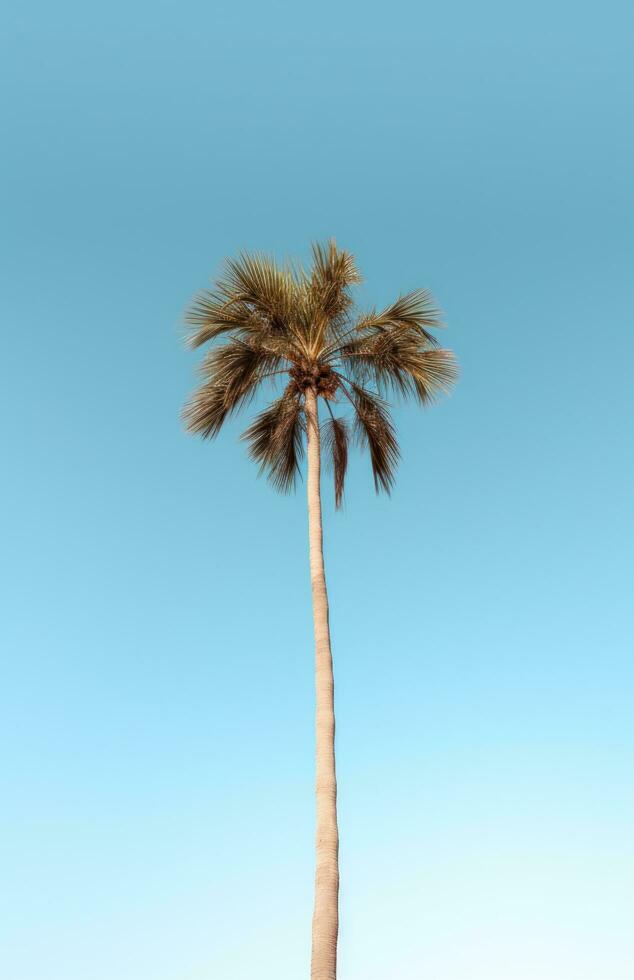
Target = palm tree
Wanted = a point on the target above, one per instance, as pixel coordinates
(270, 322)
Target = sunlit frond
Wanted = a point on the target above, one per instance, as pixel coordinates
(333, 273)
(207, 409)
(275, 439)
(242, 363)
(434, 373)
(374, 429)
(212, 315)
(269, 290)
(417, 310)
(232, 374)
(398, 359)
(335, 437)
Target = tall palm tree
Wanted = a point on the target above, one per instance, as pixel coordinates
(284, 323)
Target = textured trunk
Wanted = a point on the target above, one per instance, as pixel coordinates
(326, 910)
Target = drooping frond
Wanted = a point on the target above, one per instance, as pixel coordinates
(399, 359)
(232, 374)
(240, 363)
(434, 373)
(374, 429)
(335, 439)
(207, 409)
(275, 439)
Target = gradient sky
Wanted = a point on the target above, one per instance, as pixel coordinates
(157, 700)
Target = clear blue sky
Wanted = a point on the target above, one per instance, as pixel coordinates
(157, 701)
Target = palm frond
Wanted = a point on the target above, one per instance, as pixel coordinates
(271, 291)
(417, 310)
(241, 363)
(433, 372)
(253, 296)
(374, 428)
(328, 288)
(333, 269)
(275, 439)
(398, 359)
(207, 410)
(335, 438)
(232, 374)
(212, 314)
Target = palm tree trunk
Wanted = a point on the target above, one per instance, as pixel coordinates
(326, 908)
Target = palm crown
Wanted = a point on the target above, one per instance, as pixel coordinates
(271, 321)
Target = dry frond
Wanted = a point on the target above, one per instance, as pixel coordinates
(267, 289)
(374, 429)
(212, 315)
(335, 438)
(416, 310)
(333, 273)
(206, 410)
(233, 372)
(275, 439)
(398, 359)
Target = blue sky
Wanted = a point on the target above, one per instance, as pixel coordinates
(157, 694)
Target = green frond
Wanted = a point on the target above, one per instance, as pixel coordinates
(374, 429)
(335, 438)
(275, 439)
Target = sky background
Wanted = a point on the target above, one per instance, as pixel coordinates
(156, 706)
